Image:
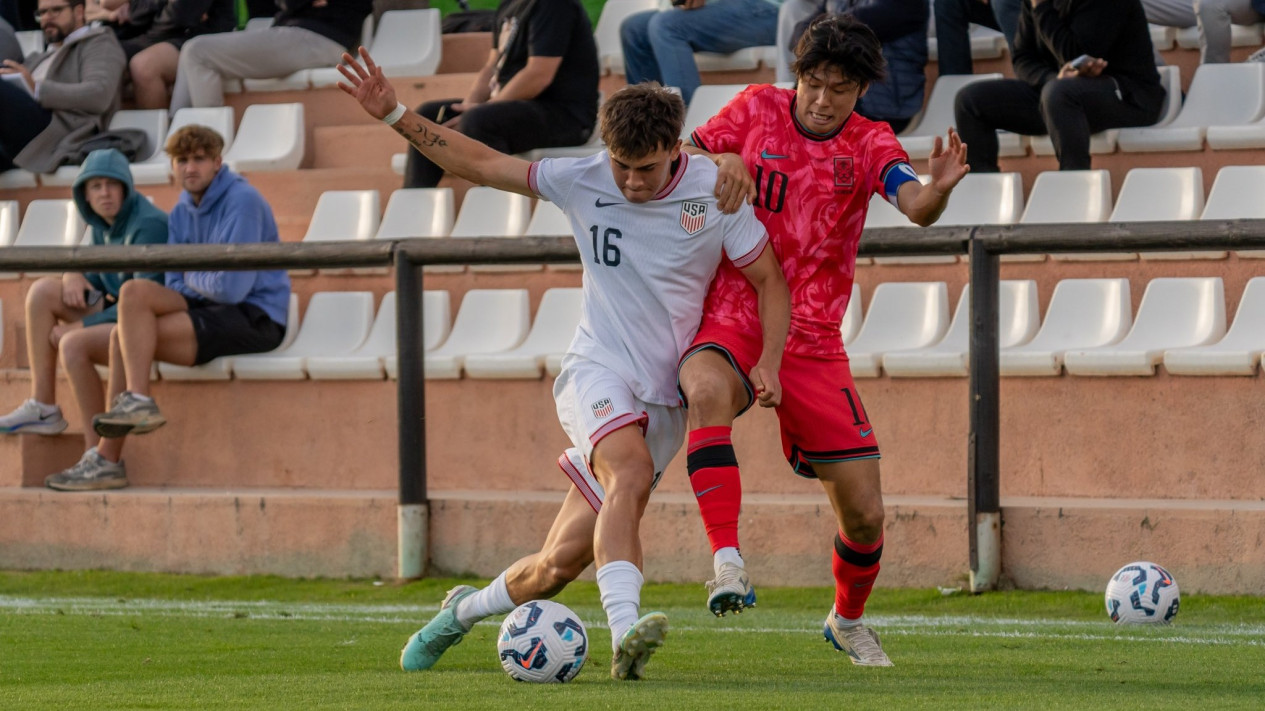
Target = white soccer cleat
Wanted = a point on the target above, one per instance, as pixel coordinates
(730, 590)
(859, 642)
(638, 643)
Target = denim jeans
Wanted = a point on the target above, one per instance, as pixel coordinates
(660, 45)
(953, 18)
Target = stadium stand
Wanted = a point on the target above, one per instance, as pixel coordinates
(551, 333)
(342, 215)
(1220, 95)
(1066, 196)
(1083, 313)
(1238, 352)
(417, 212)
(489, 321)
(335, 324)
(902, 317)
(269, 138)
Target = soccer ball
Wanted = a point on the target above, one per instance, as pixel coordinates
(1142, 592)
(542, 642)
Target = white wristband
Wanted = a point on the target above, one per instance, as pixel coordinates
(391, 118)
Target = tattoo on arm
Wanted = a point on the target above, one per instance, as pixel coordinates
(419, 136)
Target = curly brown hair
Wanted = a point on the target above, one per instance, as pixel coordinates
(192, 139)
(641, 118)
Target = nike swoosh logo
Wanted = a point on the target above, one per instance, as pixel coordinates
(527, 662)
(699, 495)
(866, 433)
(599, 203)
(770, 156)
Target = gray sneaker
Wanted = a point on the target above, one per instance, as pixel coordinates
(29, 418)
(128, 414)
(93, 472)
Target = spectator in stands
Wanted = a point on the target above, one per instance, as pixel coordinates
(10, 48)
(659, 45)
(197, 316)
(66, 93)
(538, 88)
(70, 317)
(153, 56)
(953, 36)
(1082, 66)
(1212, 17)
(305, 34)
(901, 27)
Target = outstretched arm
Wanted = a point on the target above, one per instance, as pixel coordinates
(449, 149)
(765, 274)
(923, 204)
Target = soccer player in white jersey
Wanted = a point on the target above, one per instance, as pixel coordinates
(651, 238)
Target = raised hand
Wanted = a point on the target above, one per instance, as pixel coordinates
(367, 84)
(947, 165)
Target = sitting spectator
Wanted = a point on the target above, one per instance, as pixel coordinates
(901, 28)
(152, 56)
(1212, 17)
(70, 317)
(128, 19)
(197, 316)
(65, 95)
(10, 48)
(953, 31)
(659, 45)
(305, 34)
(538, 88)
(1083, 66)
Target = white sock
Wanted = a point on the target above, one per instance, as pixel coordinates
(492, 600)
(728, 554)
(846, 621)
(619, 583)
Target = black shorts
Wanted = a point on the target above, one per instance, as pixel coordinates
(231, 329)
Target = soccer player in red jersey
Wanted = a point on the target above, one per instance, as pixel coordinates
(809, 164)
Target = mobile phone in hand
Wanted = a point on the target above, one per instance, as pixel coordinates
(92, 296)
(1080, 62)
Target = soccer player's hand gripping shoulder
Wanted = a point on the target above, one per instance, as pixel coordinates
(449, 149)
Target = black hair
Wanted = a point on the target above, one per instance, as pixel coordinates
(842, 42)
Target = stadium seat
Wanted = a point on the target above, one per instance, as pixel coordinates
(610, 53)
(17, 178)
(30, 41)
(156, 170)
(744, 60)
(1238, 136)
(708, 100)
(417, 212)
(551, 334)
(1240, 36)
(436, 327)
(1162, 194)
(1162, 37)
(548, 220)
(336, 323)
(1083, 313)
(369, 360)
(1174, 313)
(1220, 95)
(488, 212)
(222, 368)
(852, 317)
(407, 43)
(1018, 321)
(985, 199)
(269, 138)
(1235, 354)
(8, 222)
(1065, 196)
(489, 321)
(1235, 195)
(153, 122)
(398, 161)
(1105, 141)
(938, 116)
(882, 213)
(342, 215)
(50, 223)
(902, 316)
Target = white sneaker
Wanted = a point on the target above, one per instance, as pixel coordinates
(638, 643)
(29, 418)
(730, 590)
(859, 642)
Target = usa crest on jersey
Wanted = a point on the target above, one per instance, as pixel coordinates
(603, 407)
(693, 216)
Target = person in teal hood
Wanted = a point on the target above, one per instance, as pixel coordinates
(70, 317)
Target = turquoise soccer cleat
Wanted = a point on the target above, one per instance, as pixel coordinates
(429, 643)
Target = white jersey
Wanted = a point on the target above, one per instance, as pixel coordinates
(647, 266)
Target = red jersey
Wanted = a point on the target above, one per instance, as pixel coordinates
(812, 196)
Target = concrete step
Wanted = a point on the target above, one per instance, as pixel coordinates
(1056, 543)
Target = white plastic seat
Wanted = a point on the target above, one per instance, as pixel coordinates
(1162, 37)
(1236, 194)
(378, 352)
(1105, 141)
(8, 222)
(1235, 354)
(938, 115)
(489, 321)
(417, 212)
(1174, 313)
(342, 215)
(551, 334)
(1083, 313)
(407, 43)
(852, 317)
(269, 138)
(1018, 319)
(17, 178)
(548, 220)
(398, 161)
(743, 60)
(985, 199)
(336, 323)
(708, 100)
(30, 41)
(50, 223)
(986, 43)
(1240, 36)
(882, 213)
(222, 368)
(610, 53)
(902, 316)
(488, 212)
(1065, 196)
(1220, 95)
(156, 170)
(1163, 194)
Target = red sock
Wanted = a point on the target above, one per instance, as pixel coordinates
(714, 477)
(855, 568)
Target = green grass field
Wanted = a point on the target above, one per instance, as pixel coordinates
(138, 641)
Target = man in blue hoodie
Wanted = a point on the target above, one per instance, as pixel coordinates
(197, 316)
(70, 317)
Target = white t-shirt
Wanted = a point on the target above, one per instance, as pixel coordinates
(646, 266)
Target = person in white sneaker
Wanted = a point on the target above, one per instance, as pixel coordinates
(69, 318)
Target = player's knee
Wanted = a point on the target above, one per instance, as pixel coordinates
(45, 293)
(865, 524)
(72, 350)
(135, 294)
